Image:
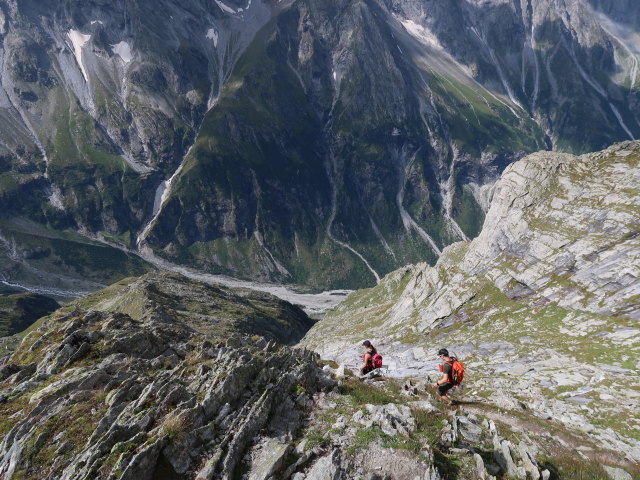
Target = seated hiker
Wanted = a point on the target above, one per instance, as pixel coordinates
(452, 373)
(370, 359)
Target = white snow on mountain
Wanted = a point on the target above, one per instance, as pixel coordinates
(212, 34)
(79, 40)
(123, 50)
(225, 8)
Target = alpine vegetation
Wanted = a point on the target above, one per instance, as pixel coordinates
(184, 184)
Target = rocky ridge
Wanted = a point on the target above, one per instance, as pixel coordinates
(95, 393)
(208, 308)
(542, 307)
(227, 407)
(117, 398)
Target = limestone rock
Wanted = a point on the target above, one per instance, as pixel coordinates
(270, 460)
(149, 397)
(549, 284)
(617, 473)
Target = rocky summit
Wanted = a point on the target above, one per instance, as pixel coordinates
(542, 307)
(317, 143)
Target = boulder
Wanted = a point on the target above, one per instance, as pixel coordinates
(270, 460)
(617, 473)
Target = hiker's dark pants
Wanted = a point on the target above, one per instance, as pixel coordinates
(444, 388)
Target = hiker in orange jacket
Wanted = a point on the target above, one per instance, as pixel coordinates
(446, 382)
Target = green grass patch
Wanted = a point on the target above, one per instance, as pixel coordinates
(360, 393)
(568, 465)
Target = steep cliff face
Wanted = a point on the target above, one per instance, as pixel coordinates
(542, 306)
(291, 141)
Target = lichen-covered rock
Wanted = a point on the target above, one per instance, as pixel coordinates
(102, 394)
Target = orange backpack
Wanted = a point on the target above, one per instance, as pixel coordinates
(457, 371)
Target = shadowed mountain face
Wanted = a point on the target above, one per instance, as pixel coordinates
(19, 311)
(323, 143)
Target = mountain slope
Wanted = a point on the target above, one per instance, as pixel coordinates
(295, 142)
(162, 378)
(542, 306)
(210, 309)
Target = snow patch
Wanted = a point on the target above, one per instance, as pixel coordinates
(123, 50)
(160, 197)
(423, 34)
(226, 8)
(162, 194)
(79, 40)
(212, 34)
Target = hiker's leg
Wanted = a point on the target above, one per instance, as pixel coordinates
(442, 391)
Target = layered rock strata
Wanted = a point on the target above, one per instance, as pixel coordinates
(542, 306)
(101, 395)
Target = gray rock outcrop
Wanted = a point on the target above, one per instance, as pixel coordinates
(100, 394)
(541, 306)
